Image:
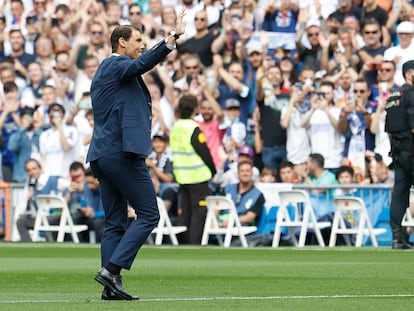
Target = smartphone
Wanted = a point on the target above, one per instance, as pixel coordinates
(298, 85)
(188, 79)
(85, 104)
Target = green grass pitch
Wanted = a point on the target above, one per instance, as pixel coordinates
(42, 276)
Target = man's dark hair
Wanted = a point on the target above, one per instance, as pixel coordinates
(362, 80)
(10, 87)
(75, 166)
(371, 21)
(56, 106)
(123, 31)
(16, 30)
(245, 161)
(63, 7)
(284, 164)
(88, 172)
(186, 106)
(318, 159)
(34, 161)
(343, 169)
(328, 83)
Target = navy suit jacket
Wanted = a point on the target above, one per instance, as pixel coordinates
(121, 104)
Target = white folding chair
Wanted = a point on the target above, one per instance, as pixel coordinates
(215, 204)
(44, 204)
(408, 219)
(302, 217)
(165, 227)
(354, 208)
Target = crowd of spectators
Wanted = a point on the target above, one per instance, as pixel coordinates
(277, 81)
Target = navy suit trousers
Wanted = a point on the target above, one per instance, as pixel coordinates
(124, 178)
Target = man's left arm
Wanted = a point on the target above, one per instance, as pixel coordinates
(254, 212)
(198, 140)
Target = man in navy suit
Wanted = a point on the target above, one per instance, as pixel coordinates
(121, 140)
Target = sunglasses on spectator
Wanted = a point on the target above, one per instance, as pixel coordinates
(97, 33)
(191, 67)
(371, 32)
(135, 13)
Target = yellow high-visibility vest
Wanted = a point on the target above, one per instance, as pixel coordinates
(188, 167)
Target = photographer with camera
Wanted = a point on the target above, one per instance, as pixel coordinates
(297, 141)
(355, 122)
(321, 121)
(25, 142)
(58, 143)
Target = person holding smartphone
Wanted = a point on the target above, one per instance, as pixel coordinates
(24, 142)
(58, 143)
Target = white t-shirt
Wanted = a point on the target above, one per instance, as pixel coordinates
(84, 129)
(405, 54)
(297, 140)
(57, 161)
(324, 138)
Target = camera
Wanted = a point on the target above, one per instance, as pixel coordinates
(32, 182)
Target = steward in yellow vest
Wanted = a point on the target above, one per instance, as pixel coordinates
(193, 168)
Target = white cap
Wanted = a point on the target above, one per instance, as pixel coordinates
(313, 22)
(405, 27)
(254, 46)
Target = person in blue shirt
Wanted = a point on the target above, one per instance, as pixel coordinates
(38, 183)
(247, 198)
(84, 200)
(25, 142)
(91, 211)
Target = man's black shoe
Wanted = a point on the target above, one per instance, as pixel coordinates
(107, 294)
(112, 282)
(401, 245)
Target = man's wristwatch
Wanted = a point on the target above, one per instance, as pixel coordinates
(174, 34)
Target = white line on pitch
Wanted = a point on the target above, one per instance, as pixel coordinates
(229, 298)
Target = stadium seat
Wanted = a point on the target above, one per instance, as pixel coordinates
(352, 210)
(215, 205)
(296, 211)
(45, 203)
(165, 227)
